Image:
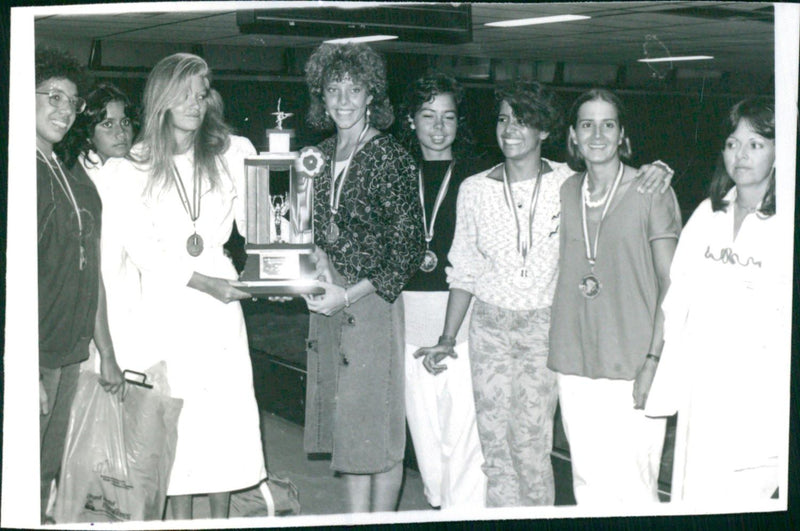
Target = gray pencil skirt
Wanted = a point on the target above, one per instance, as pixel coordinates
(355, 407)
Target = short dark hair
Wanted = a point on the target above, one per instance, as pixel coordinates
(334, 62)
(759, 113)
(574, 157)
(52, 63)
(533, 104)
(78, 139)
(422, 91)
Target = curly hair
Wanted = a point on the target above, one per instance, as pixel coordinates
(422, 91)
(78, 140)
(52, 63)
(759, 113)
(359, 62)
(166, 87)
(533, 104)
(574, 157)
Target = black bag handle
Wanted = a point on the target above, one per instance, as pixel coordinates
(137, 378)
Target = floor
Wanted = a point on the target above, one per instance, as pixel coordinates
(321, 492)
(277, 337)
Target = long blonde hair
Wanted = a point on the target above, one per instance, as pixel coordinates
(166, 87)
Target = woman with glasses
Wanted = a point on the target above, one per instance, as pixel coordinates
(180, 190)
(71, 296)
(104, 130)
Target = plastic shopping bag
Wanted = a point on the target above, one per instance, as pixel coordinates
(118, 454)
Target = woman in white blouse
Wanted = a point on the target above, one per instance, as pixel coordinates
(105, 130)
(722, 362)
(179, 192)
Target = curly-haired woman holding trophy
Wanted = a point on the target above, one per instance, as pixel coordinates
(368, 229)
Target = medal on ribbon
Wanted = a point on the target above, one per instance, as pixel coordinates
(430, 260)
(590, 285)
(63, 183)
(333, 232)
(523, 278)
(194, 244)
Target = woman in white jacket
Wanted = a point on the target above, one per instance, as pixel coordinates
(721, 364)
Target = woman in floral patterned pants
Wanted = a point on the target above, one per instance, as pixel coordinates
(505, 254)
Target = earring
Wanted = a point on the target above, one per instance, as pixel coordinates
(368, 113)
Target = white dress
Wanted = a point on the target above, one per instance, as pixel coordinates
(120, 276)
(202, 340)
(720, 365)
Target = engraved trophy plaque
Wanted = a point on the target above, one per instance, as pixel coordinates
(279, 223)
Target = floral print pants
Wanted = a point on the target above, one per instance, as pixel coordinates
(515, 400)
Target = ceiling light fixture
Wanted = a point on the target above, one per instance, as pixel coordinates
(676, 58)
(536, 20)
(366, 38)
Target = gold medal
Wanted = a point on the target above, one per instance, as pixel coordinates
(523, 277)
(194, 245)
(63, 182)
(590, 286)
(429, 261)
(332, 233)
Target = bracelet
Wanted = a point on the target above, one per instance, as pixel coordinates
(447, 341)
(652, 357)
(346, 299)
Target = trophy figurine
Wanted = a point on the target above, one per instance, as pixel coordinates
(279, 209)
(279, 231)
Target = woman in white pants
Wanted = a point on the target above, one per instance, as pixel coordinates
(440, 408)
(615, 250)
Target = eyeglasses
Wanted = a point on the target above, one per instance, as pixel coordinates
(59, 99)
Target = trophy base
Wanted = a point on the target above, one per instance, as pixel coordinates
(280, 269)
(277, 288)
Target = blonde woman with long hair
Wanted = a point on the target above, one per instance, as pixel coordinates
(181, 188)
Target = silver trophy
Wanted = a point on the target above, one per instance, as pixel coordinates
(279, 235)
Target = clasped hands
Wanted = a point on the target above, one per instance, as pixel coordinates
(433, 356)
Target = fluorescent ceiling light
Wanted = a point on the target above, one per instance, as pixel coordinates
(677, 58)
(366, 38)
(537, 20)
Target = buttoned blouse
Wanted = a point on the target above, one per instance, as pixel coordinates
(379, 216)
(484, 254)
